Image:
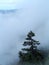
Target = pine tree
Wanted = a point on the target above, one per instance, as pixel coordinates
(31, 52)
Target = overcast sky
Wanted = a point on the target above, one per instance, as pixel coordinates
(8, 4)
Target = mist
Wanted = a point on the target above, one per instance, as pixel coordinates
(14, 26)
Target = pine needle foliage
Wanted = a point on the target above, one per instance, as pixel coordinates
(31, 52)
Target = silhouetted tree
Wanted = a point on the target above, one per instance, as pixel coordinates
(31, 52)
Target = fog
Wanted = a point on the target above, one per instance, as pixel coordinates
(14, 26)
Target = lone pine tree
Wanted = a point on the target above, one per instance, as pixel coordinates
(31, 52)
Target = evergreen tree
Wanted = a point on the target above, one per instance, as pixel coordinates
(31, 52)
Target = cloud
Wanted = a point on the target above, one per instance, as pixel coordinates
(31, 15)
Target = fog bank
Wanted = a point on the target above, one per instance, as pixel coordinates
(32, 15)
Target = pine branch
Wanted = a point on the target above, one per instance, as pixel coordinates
(27, 43)
(34, 40)
(31, 34)
(26, 49)
(28, 38)
(30, 43)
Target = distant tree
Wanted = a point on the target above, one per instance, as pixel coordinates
(31, 52)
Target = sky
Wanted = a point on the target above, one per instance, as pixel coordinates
(9, 4)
